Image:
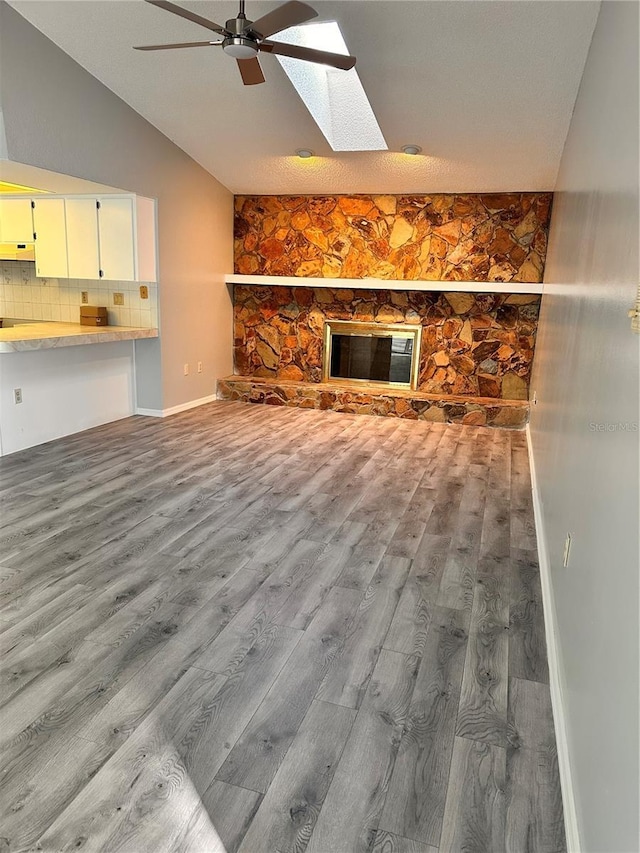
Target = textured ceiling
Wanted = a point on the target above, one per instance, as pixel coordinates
(486, 88)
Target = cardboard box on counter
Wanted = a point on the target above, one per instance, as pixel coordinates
(93, 315)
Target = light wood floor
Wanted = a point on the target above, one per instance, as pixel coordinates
(249, 628)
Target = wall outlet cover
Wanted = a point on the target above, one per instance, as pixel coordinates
(118, 298)
(144, 291)
(84, 297)
(17, 395)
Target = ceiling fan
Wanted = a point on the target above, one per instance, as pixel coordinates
(243, 39)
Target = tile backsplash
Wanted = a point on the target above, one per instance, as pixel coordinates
(23, 296)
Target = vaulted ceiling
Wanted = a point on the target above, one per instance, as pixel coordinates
(485, 88)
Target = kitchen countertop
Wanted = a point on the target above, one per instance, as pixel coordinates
(25, 337)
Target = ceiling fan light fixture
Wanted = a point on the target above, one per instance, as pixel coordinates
(411, 149)
(304, 153)
(240, 47)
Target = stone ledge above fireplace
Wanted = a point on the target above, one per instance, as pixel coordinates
(497, 286)
(409, 405)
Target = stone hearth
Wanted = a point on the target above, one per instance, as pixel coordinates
(410, 405)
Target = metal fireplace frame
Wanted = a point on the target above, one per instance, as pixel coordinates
(385, 330)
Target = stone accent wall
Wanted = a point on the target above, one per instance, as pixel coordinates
(461, 237)
(473, 344)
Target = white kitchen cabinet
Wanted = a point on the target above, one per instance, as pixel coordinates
(116, 237)
(111, 237)
(51, 238)
(127, 238)
(16, 220)
(82, 237)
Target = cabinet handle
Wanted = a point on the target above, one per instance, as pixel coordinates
(101, 273)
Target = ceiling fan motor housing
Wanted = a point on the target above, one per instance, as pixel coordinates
(239, 43)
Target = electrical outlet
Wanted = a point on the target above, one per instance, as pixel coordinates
(567, 551)
(186, 370)
(17, 395)
(144, 291)
(84, 297)
(118, 298)
(199, 367)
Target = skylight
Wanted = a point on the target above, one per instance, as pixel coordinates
(335, 98)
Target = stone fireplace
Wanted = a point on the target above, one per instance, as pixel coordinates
(474, 358)
(473, 348)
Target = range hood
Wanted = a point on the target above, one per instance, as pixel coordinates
(17, 252)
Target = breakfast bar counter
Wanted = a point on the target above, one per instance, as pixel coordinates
(39, 335)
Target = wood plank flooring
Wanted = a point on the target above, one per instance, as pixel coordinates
(266, 630)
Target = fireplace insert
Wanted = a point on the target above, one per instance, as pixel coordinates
(376, 353)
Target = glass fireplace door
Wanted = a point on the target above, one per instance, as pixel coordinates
(376, 353)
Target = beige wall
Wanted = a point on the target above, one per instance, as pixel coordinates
(586, 379)
(57, 116)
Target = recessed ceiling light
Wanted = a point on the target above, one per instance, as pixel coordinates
(304, 153)
(411, 149)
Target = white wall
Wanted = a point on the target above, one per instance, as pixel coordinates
(58, 117)
(64, 391)
(584, 433)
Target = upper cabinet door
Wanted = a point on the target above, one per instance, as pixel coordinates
(16, 220)
(116, 230)
(82, 238)
(51, 238)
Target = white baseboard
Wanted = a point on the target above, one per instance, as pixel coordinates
(173, 410)
(555, 672)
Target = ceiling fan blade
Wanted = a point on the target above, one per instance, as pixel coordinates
(250, 71)
(309, 54)
(182, 44)
(190, 16)
(289, 15)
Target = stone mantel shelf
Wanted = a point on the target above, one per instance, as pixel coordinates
(389, 284)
